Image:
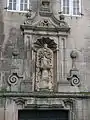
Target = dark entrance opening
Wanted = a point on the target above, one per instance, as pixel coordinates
(43, 115)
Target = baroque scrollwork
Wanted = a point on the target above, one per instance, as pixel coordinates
(13, 79)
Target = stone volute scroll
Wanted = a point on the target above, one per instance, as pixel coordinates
(44, 66)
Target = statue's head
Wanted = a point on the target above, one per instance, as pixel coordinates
(45, 45)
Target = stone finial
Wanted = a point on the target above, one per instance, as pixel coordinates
(45, 3)
(61, 16)
(73, 75)
(15, 51)
(28, 16)
(45, 8)
(73, 56)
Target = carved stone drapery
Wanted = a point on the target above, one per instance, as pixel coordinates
(44, 49)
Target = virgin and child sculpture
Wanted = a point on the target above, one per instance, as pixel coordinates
(44, 68)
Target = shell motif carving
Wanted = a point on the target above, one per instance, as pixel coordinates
(40, 42)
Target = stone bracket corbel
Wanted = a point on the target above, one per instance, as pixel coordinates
(73, 76)
(20, 102)
(13, 78)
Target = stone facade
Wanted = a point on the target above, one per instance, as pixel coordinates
(44, 60)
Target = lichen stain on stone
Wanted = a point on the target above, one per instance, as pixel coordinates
(13, 40)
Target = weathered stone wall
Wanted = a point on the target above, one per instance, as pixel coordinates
(78, 39)
(2, 113)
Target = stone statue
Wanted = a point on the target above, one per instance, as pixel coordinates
(44, 73)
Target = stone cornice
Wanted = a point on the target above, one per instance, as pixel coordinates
(41, 33)
(80, 95)
(35, 28)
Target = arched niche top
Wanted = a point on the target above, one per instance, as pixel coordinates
(45, 40)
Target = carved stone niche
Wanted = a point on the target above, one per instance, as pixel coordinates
(45, 70)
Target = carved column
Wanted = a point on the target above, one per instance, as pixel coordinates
(58, 60)
(63, 58)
